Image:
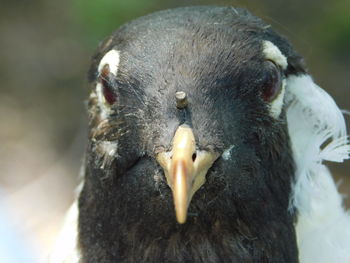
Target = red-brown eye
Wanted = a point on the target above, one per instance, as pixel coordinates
(107, 89)
(272, 82)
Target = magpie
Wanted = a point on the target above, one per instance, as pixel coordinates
(207, 143)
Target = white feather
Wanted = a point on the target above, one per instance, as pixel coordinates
(226, 155)
(318, 133)
(65, 249)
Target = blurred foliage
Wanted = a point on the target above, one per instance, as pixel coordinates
(333, 30)
(97, 19)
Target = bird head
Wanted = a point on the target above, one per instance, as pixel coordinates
(187, 111)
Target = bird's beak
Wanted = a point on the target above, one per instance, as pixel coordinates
(185, 169)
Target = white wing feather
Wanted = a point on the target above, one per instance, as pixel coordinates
(318, 133)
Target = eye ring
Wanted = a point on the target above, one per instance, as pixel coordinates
(272, 81)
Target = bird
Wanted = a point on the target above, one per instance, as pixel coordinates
(207, 143)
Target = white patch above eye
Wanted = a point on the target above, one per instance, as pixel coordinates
(273, 53)
(112, 59)
(277, 104)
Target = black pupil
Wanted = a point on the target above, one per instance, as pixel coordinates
(105, 79)
(272, 82)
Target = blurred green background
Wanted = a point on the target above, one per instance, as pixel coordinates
(45, 48)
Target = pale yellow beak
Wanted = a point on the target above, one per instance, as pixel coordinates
(185, 169)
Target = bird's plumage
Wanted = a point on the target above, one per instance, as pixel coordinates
(265, 192)
(318, 133)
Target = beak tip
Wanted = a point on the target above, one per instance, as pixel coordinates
(181, 219)
(181, 214)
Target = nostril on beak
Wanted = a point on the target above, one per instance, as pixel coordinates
(194, 157)
(185, 168)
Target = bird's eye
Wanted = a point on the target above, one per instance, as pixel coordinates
(272, 82)
(106, 81)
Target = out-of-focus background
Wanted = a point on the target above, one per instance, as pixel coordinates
(45, 48)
